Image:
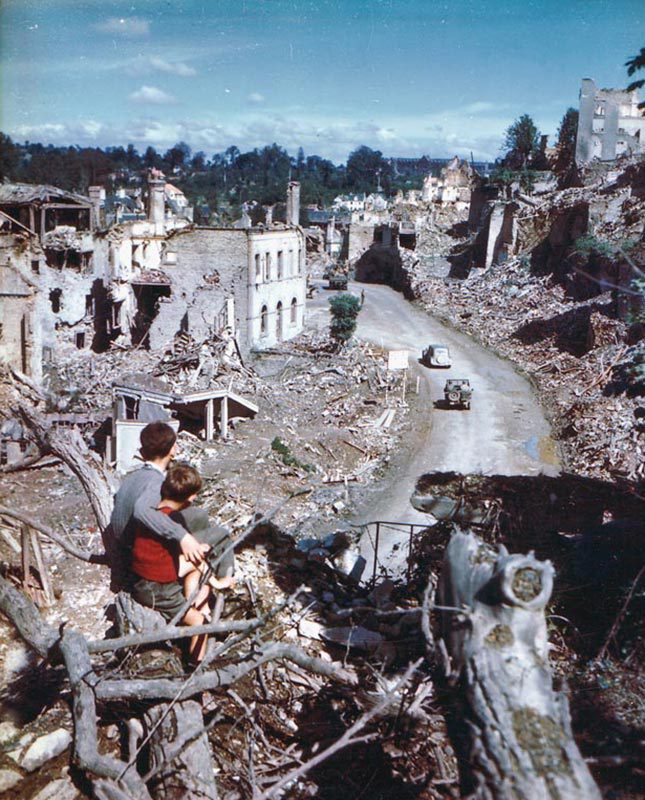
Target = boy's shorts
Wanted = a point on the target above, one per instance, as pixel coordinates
(166, 598)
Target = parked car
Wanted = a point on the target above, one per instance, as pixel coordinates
(457, 393)
(436, 355)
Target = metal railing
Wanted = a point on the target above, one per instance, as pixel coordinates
(375, 530)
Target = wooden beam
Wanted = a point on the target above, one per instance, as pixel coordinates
(42, 567)
(209, 419)
(223, 418)
(26, 557)
(75, 206)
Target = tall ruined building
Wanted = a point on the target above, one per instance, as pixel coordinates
(610, 124)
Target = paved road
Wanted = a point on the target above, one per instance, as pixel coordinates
(505, 432)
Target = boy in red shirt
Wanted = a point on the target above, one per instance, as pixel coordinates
(155, 562)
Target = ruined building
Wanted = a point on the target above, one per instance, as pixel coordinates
(68, 281)
(46, 244)
(452, 186)
(609, 124)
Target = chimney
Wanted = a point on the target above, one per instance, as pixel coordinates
(97, 199)
(293, 203)
(156, 199)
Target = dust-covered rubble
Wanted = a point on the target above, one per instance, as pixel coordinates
(559, 319)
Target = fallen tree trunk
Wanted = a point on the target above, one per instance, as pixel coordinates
(180, 759)
(69, 446)
(179, 753)
(494, 634)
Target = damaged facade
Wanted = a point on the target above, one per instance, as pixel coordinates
(610, 124)
(69, 280)
(452, 186)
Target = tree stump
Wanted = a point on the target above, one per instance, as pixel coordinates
(494, 631)
(179, 750)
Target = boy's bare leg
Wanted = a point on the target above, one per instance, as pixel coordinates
(191, 582)
(197, 646)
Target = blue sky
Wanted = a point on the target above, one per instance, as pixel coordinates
(405, 76)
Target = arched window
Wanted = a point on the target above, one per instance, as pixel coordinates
(278, 321)
(264, 321)
(294, 311)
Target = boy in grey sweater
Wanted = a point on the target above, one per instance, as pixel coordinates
(136, 503)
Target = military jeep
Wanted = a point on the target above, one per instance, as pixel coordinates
(457, 393)
(338, 282)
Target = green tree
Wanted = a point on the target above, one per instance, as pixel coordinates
(522, 142)
(151, 158)
(633, 65)
(177, 157)
(198, 161)
(566, 146)
(344, 310)
(9, 158)
(364, 168)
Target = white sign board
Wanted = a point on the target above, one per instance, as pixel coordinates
(397, 359)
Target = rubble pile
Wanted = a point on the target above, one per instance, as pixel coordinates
(328, 411)
(537, 310)
(336, 412)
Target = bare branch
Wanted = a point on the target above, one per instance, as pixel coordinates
(27, 620)
(169, 688)
(86, 754)
(84, 555)
(171, 632)
(36, 459)
(631, 262)
(348, 738)
(70, 447)
(426, 609)
(621, 614)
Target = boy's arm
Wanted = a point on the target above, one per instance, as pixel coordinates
(146, 513)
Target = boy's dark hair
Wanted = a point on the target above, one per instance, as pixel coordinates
(180, 483)
(157, 439)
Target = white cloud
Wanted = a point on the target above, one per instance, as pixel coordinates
(440, 134)
(153, 96)
(147, 65)
(255, 98)
(172, 67)
(129, 27)
(479, 107)
(91, 127)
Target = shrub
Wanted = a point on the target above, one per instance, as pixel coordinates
(344, 310)
(287, 457)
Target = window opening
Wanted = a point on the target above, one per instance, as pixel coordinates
(55, 300)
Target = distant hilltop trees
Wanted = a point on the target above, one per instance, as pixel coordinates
(223, 181)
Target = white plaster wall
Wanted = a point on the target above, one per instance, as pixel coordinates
(269, 289)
